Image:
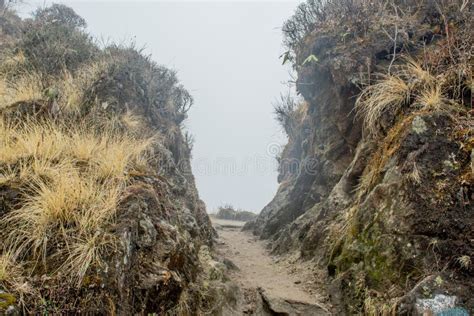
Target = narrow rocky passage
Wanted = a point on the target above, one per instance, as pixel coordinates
(270, 285)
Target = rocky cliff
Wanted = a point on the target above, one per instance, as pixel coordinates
(99, 213)
(376, 181)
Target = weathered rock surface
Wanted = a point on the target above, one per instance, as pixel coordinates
(379, 212)
(268, 305)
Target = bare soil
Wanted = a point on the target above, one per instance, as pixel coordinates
(279, 277)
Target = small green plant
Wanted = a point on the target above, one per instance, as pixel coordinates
(311, 59)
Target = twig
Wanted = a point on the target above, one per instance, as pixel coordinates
(394, 49)
(394, 43)
(446, 29)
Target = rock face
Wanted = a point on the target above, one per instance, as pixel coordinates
(150, 249)
(381, 203)
(268, 305)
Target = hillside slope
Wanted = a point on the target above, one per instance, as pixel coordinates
(382, 190)
(99, 213)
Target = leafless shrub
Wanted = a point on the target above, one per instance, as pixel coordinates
(285, 109)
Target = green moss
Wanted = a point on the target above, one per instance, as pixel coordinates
(6, 300)
(372, 250)
(91, 280)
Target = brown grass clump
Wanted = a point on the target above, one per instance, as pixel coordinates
(69, 90)
(71, 179)
(73, 87)
(419, 77)
(10, 61)
(411, 86)
(12, 279)
(9, 271)
(25, 88)
(389, 94)
(432, 99)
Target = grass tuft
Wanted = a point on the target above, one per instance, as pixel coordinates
(8, 269)
(28, 87)
(432, 99)
(464, 261)
(389, 94)
(71, 180)
(410, 86)
(74, 87)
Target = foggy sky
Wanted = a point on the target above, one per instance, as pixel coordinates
(226, 55)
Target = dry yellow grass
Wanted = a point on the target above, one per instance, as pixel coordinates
(11, 61)
(26, 88)
(6, 176)
(419, 76)
(72, 179)
(11, 273)
(85, 250)
(118, 154)
(392, 91)
(464, 261)
(432, 99)
(12, 279)
(387, 95)
(73, 88)
(8, 268)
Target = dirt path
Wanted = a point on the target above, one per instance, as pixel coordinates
(280, 280)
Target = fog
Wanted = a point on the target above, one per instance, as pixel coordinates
(227, 55)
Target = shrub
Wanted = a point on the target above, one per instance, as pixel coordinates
(354, 16)
(60, 14)
(302, 21)
(363, 23)
(244, 216)
(55, 41)
(189, 141)
(229, 213)
(151, 89)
